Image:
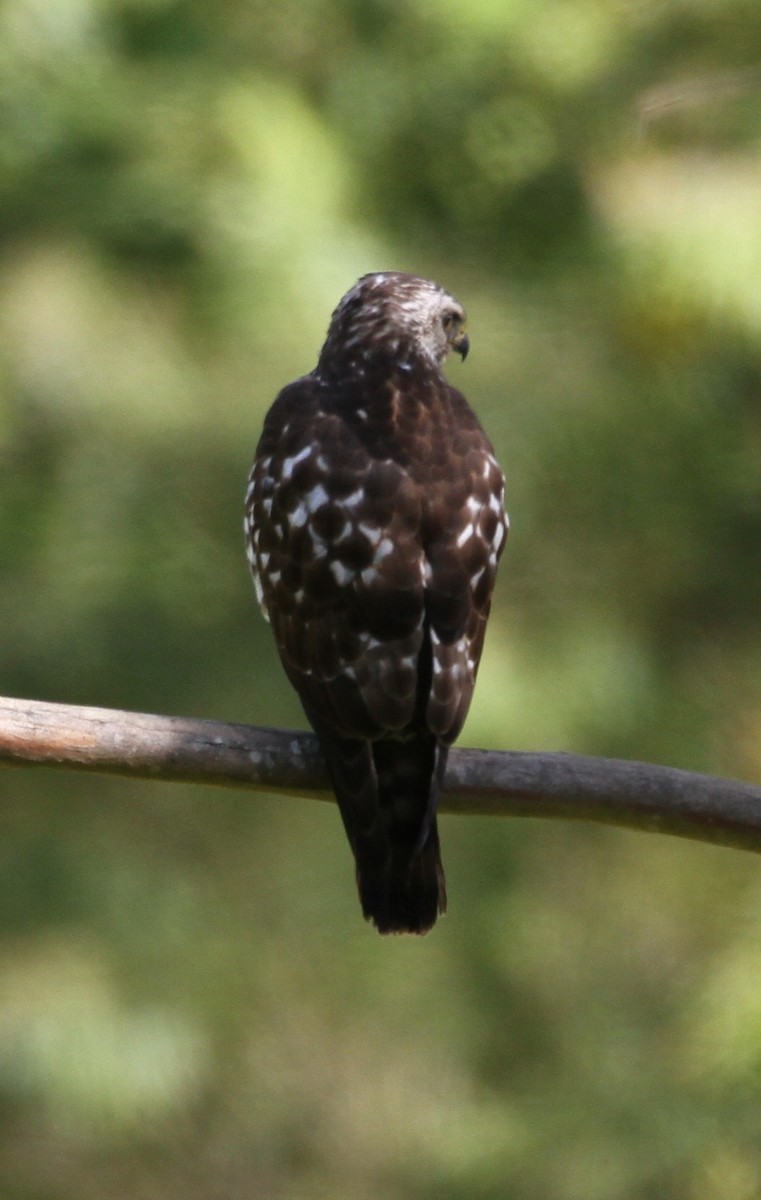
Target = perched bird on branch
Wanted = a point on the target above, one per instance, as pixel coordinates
(374, 523)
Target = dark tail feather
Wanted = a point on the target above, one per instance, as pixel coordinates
(387, 793)
(408, 893)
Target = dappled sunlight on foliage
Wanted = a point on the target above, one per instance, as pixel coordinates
(190, 1003)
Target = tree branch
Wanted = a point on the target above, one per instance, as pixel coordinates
(286, 762)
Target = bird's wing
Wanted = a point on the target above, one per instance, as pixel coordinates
(334, 545)
(466, 526)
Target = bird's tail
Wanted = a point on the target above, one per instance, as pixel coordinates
(387, 792)
(407, 892)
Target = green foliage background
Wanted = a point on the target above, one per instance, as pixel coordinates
(190, 1003)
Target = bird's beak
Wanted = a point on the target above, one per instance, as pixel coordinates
(461, 344)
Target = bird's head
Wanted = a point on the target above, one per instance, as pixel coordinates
(394, 317)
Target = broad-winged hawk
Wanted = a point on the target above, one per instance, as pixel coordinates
(374, 522)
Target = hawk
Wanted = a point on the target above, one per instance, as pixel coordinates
(374, 524)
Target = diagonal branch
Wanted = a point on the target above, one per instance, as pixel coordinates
(286, 762)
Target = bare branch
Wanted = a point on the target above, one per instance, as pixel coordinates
(286, 762)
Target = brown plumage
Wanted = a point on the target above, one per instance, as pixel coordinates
(375, 521)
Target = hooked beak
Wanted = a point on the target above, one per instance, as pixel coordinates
(462, 345)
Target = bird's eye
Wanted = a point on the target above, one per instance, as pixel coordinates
(449, 320)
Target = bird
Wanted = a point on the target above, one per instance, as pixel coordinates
(374, 523)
